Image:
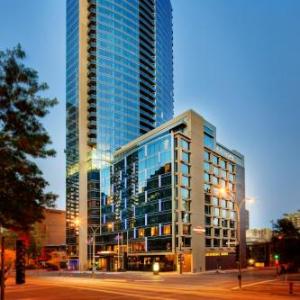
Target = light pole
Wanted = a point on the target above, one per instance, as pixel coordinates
(94, 228)
(238, 210)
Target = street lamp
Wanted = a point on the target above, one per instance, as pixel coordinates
(238, 205)
(94, 228)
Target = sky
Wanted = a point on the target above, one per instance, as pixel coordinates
(236, 63)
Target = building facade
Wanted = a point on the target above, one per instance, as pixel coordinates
(119, 86)
(166, 203)
(259, 246)
(294, 218)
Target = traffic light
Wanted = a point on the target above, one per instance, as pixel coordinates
(276, 258)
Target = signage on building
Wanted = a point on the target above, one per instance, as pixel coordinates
(224, 153)
(216, 254)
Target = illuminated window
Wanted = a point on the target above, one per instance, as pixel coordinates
(167, 229)
(141, 232)
(186, 229)
(154, 231)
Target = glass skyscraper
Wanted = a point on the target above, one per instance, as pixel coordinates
(119, 86)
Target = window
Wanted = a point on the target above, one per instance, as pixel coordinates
(208, 231)
(214, 180)
(141, 232)
(223, 213)
(184, 169)
(185, 181)
(217, 232)
(207, 198)
(223, 174)
(208, 141)
(185, 205)
(215, 159)
(206, 166)
(167, 229)
(207, 188)
(154, 231)
(185, 193)
(207, 209)
(216, 211)
(215, 201)
(185, 157)
(216, 171)
(232, 215)
(207, 242)
(224, 223)
(216, 243)
(186, 229)
(206, 177)
(222, 183)
(229, 205)
(231, 177)
(206, 155)
(230, 167)
(223, 164)
(215, 221)
(184, 144)
(223, 203)
(207, 221)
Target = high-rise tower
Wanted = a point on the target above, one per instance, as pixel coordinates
(119, 86)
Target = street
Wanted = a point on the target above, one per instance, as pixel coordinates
(257, 284)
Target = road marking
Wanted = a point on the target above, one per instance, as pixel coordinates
(149, 280)
(109, 291)
(254, 283)
(113, 280)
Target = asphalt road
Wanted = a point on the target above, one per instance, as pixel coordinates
(260, 285)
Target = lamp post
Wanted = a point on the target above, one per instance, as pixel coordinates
(238, 210)
(94, 228)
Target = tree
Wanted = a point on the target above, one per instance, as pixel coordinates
(286, 242)
(23, 139)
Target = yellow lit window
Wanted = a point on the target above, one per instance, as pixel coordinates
(141, 232)
(167, 229)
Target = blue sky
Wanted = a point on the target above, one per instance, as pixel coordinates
(235, 62)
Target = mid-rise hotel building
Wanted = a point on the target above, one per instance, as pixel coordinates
(166, 201)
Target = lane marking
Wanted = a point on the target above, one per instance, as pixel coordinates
(148, 280)
(109, 291)
(254, 283)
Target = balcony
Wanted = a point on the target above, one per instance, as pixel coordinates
(92, 124)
